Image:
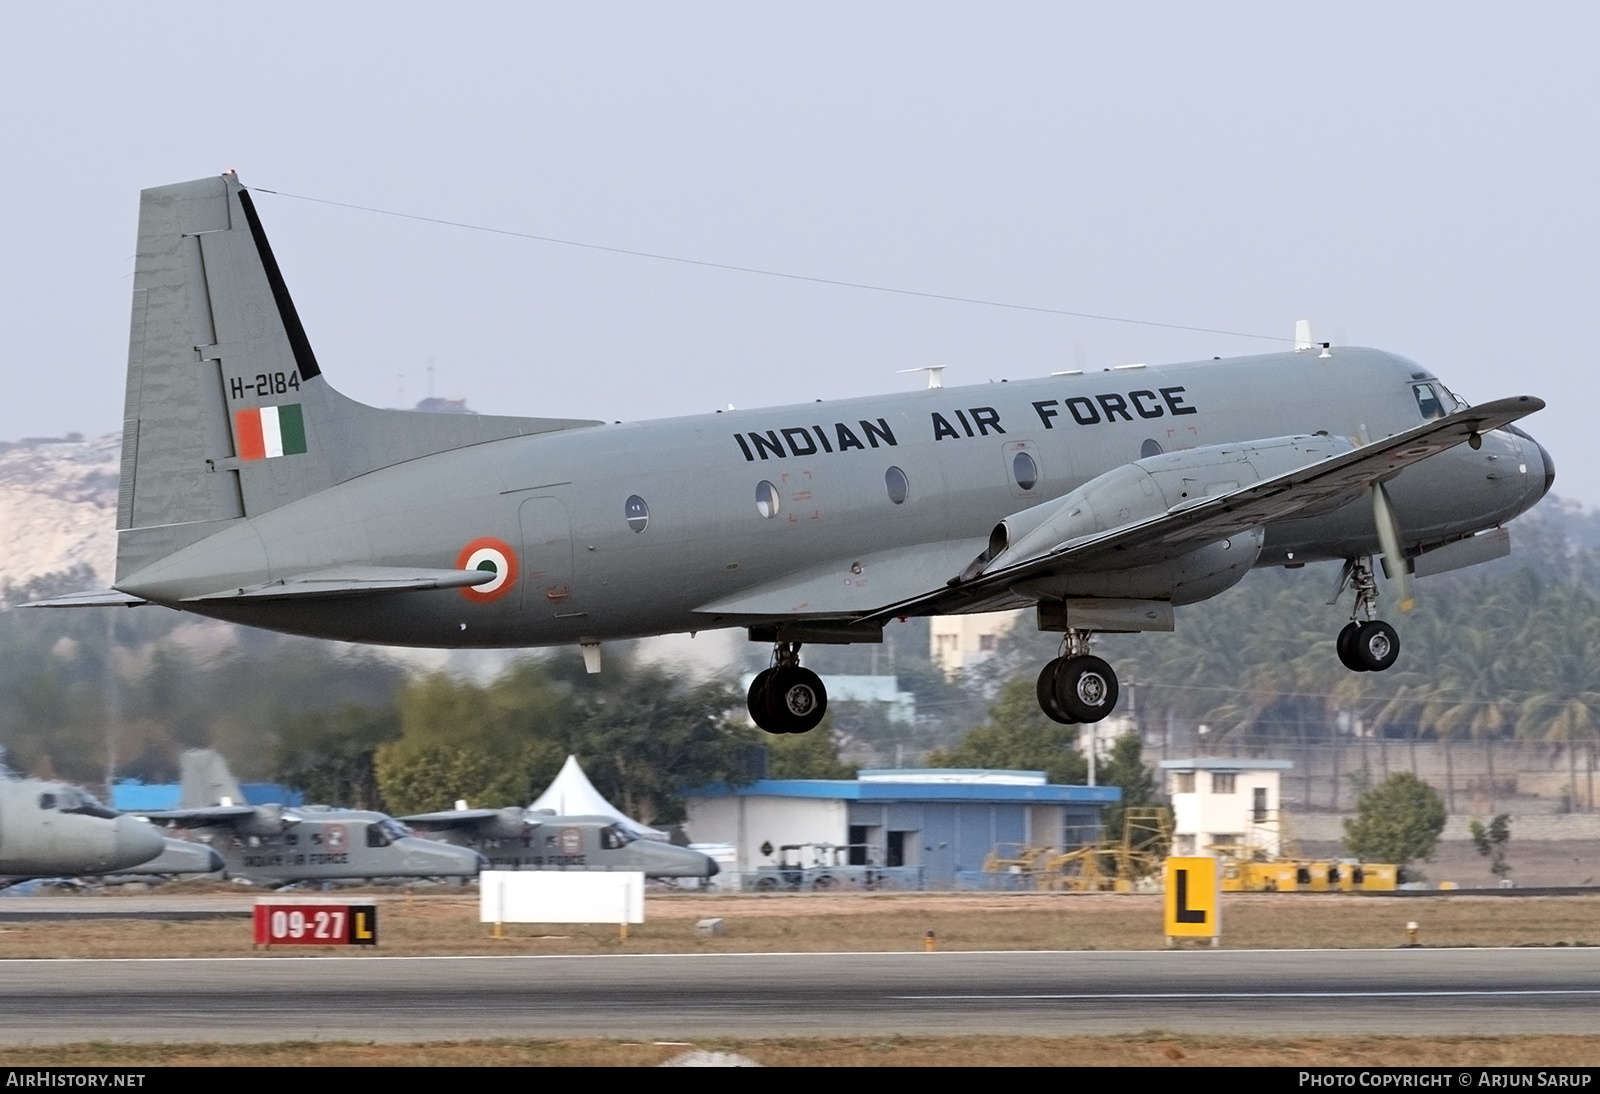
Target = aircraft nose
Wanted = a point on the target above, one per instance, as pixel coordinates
(429, 858)
(137, 841)
(1549, 467)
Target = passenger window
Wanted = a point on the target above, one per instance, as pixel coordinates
(1025, 471)
(1428, 401)
(899, 488)
(637, 512)
(767, 503)
(1151, 447)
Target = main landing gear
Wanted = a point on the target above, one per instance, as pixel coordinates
(1369, 646)
(787, 698)
(1077, 686)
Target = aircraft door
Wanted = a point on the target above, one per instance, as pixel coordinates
(546, 557)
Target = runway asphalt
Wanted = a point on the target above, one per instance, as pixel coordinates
(677, 997)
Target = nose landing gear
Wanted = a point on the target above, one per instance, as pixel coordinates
(1369, 646)
(787, 698)
(1077, 686)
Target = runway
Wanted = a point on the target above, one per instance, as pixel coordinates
(756, 995)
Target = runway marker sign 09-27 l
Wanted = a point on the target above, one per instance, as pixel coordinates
(315, 924)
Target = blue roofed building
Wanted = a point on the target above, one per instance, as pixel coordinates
(133, 796)
(921, 827)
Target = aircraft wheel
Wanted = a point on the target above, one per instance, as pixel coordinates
(1346, 646)
(757, 700)
(796, 700)
(1376, 645)
(1046, 692)
(766, 884)
(1086, 688)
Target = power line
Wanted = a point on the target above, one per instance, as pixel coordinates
(758, 271)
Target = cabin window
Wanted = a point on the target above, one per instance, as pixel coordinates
(47, 801)
(1428, 401)
(1151, 447)
(899, 487)
(637, 512)
(1024, 470)
(767, 503)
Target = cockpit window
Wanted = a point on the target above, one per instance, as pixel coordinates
(613, 838)
(1429, 401)
(76, 801)
(384, 832)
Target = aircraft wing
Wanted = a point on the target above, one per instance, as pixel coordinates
(214, 816)
(461, 819)
(1203, 520)
(351, 581)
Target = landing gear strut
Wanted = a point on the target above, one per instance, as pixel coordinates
(1077, 686)
(787, 698)
(1370, 645)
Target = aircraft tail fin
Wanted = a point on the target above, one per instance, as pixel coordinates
(205, 781)
(228, 414)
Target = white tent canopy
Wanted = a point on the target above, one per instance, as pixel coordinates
(573, 795)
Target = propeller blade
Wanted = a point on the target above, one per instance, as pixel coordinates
(1389, 540)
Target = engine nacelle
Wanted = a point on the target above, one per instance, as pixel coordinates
(1147, 488)
(1187, 579)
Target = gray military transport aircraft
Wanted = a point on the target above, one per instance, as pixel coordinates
(280, 844)
(526, 839)
(50, 829)
(252, 491)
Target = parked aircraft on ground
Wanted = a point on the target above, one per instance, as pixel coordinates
(526, 839)
(254, 492)
(51, 829)
(282, 844)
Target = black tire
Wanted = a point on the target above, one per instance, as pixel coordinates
(1086, 688)
(1046, 693)
(1346, 646)
(796, 700)
(759, 699)
(1376, 645)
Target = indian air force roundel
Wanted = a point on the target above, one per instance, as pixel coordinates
(497, 558)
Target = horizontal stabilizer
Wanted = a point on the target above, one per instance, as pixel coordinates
(107, 598)
(352, 581)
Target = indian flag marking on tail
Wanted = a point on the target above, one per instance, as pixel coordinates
(270, 431)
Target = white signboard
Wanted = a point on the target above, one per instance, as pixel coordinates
(560, 896)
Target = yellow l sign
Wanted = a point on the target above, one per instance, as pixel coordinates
(1193, 903)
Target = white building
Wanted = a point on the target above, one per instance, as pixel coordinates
(1225, 805)
(956, 641)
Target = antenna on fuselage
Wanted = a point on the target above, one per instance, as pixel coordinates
(935, 374)
(1302, 338)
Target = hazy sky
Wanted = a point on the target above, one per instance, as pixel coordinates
(1418, 177)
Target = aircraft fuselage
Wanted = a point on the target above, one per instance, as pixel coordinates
(625, 530)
